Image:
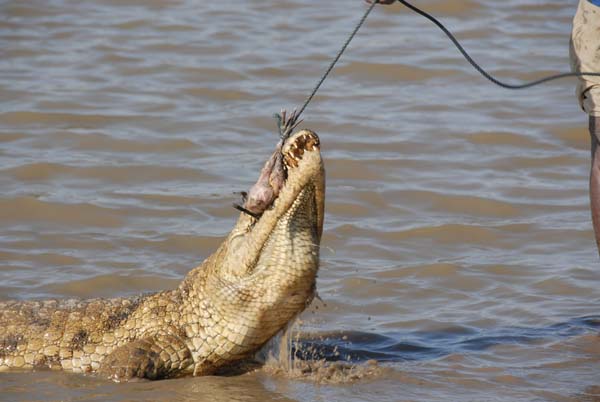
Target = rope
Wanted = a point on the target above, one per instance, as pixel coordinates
(337, 57)
(479, 68)
(285, 126)
(282, 124)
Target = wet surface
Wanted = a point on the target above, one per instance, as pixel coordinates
(357, 346)
(457, 251)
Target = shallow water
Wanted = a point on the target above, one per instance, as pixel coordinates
(458, 249)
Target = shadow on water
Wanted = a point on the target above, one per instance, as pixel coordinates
(357, 346)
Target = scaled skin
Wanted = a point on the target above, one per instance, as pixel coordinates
(261, 277)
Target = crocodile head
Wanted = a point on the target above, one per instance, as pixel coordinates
(289, 231)
(264, 273)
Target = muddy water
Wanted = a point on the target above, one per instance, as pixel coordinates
(458, 250)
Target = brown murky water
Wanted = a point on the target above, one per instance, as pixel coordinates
(458, 249)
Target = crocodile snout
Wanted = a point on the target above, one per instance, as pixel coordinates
(296, 145)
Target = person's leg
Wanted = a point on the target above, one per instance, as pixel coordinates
(585, 57)
(595, 177)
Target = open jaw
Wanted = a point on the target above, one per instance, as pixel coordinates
(304, 172)
(301, 167)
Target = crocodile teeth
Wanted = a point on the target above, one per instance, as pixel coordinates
(290, 161)
(305, 142)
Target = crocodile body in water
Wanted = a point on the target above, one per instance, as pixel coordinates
(261, 277)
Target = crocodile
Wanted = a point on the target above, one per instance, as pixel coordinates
(260, 278)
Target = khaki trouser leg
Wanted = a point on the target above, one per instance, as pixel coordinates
(585, 55)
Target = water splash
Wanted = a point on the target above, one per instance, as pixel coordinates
(289, 356)
(340, 357)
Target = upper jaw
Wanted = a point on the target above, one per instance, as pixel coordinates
(299, 143)
(273, 175)
(293, 165)
(303, 167)
(302, 158)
